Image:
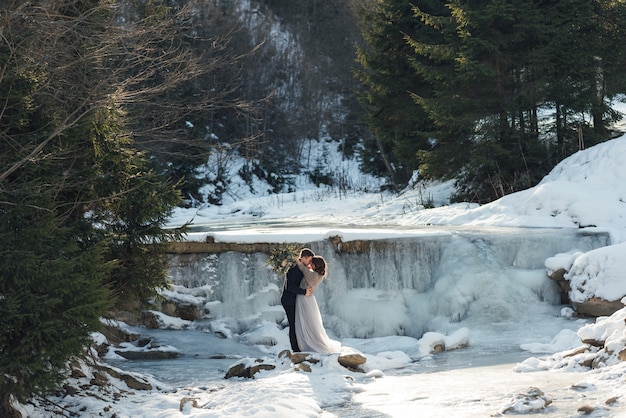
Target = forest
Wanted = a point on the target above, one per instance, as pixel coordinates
(108, 109)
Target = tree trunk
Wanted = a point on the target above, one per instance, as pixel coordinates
(383, 154)
(6, 409)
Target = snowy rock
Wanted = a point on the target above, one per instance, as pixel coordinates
(187, 403)
(434, 342)
(532, 401)
(156, 320)
(303, 367)
(596, 307)
(147, 354)
(593, 282)
(115, 335)
(182, 310)
(297, 358)
(351, 361)
(564, 288)
(132, 381)
(248, 368)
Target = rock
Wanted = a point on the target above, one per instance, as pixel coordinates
(241, 370)
(297, 358)
(351, 361)
(99, 379)
(142, 342)
(593, 343)
(595, 307)
(147, 354)
(588, 363)
(304, 367)
(622, 355)
(77, 373)
(149, 319)
(559, 275)
(257, 368)
(70, 390)
(599, 360)
(134, 383)
(182, 310)
(185, 401)
(564, 286)
(533, 401)
(218, 357)
(131, 381)
(575, 352)
(237, 370)
(586, 409)
(115, 335)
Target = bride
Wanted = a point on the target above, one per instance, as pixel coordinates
(310, 330)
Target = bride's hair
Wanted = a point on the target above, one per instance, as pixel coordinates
(319, 265)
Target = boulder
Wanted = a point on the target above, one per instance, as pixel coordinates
(183, 310)
(131, 381)
(586, 410)
(297, 358)
(564, 287)
(352, 361)
(532, 401)
(186, 400)
(147, 354)
(303, 367)
(248, 371)
(595, 307)
(99, 379)
(149, 320)
(115, 335)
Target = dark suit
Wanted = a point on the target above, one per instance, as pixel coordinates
(291, 288)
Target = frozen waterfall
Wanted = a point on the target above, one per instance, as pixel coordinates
(402, 286)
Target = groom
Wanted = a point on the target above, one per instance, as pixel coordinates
(291, 288)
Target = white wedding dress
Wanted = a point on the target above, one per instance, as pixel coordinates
(309, 327)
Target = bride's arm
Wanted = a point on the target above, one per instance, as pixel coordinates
(312, 278)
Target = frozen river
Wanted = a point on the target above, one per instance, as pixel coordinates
(491, 282)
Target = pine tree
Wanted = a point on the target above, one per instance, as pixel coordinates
(497, 65)
(134, 220)
(52, 273)
(51, 298)
(400, 127)
(583, 65)
(82, 212)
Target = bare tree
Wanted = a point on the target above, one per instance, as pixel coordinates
(78, 201)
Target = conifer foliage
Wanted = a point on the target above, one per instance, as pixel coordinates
(399, 126)
(512, 87)
(82, 211)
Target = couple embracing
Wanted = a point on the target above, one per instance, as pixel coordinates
(306, 329)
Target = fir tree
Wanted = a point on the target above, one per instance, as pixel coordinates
(497, 65)
(82, 212)
(52, 273)
(400, 127)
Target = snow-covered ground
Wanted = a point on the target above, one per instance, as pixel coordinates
(402, 377)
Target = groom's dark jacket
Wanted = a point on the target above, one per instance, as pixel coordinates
(291, 287)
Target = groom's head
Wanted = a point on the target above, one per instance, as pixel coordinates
(306, 255)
